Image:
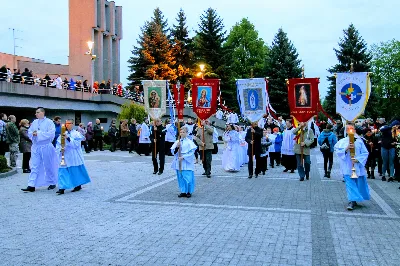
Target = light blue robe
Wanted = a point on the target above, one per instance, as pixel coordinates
(74, 173)
(357, 188)
(185, 176)
(43, 163)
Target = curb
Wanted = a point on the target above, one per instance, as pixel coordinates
(9, 173)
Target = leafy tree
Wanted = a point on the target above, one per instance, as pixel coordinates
(247, 51)
(352, 49)
(282, 63)
(152, 58)
(132, 110)
(385, 66)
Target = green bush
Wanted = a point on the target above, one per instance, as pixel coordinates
(132, 110)
(3, 165)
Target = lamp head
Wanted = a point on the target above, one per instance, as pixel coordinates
(90, 45)
(201, 67)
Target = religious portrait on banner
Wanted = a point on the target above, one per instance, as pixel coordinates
(204, 97)
(253, 97)
(303, 95)
(155, 97)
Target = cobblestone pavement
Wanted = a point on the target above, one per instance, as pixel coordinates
(128, 216)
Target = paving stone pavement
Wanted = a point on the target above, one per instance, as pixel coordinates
(128, 216)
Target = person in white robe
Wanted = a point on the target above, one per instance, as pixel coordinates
(219, 115)
(74, 174)
(243, 146)
(43, 163)
(287, 151)
(144, 139)
(356, 188)
(183, 163)
(170, 136)
(231, 156)
(58, 82)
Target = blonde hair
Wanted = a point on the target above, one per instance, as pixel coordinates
(24, 122)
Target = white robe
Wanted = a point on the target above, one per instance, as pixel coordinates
(190, 131)
(231, 159)
(187, 152)
(170, 136)
(219, 115)
(144, 134)
(215, 136)
(361, 155)
(271, 138)
(243, 147)
(44, 163)
(288, 142)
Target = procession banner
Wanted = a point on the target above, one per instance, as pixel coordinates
(352, 94)
(205, 94)
(252, 99)
(303, 98)
(154, 97)
(179, 97)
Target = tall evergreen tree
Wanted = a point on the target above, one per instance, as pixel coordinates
(282, 64)
(152, 57)
(182, 48)
(209, 41)
(352, 49)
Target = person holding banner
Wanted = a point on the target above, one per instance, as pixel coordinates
(304, 139)
(356, 188)
(183, 163)
(206, 145)
(157, 138)
(253, 138)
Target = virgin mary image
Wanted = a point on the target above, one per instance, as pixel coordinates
(154, 100)
(203, 101)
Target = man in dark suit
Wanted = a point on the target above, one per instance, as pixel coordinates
(157, 137)
(253, 138)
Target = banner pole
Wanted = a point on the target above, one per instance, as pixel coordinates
(155, 140)
(204, 146)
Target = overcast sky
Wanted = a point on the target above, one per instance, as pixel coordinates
(314, 26)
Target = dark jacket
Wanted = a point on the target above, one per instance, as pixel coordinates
(387, 138)
(160, 135)
(112, 132)
(133, 130)
(12, 133)
(89, 133)
(25, 143)
(257, 135)
(97, 131)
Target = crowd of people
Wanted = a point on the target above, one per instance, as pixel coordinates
(268, 142)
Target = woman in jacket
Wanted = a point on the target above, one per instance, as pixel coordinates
(25, 145)
(327, 140)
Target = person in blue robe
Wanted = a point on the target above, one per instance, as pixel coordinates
(74, 174)
(183, 150)
(356, 188)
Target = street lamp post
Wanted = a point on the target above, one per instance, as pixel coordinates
(93, 57)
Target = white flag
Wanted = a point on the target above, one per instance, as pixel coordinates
(252, 98)
(352, 94)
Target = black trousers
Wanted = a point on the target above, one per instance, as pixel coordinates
(207, 161)
(144, 148)
(113, 142)
(168, 146)
(258, 165)
(90, 144)
(98, 143)
(263, 163)
(328, 157)
(124, 142)
(84, 144)
(275, 157)
(215, 150)
(26, 157)
(3, 147)
(289, 162)
(133, 146)
(161, 157)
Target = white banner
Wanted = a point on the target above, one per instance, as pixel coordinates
(155, 97)
(352, 94)
(252, 94)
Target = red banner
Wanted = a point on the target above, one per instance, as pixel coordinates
(303, 97)
(204, 97)
(179, 97)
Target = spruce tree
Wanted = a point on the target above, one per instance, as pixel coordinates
(352, 49)
(182, 49)
(282, 64)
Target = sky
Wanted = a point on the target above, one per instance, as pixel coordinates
(313, 26)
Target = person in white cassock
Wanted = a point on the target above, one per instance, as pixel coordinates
(231, 156)
(144, 139)
(287, 151)
(43, 163)
(243, 146)
(183, 163)
(219, 115)
(74, 174)
(356, 188)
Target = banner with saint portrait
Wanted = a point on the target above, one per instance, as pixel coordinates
(155, 92)
(352, 94)
(303, 98)
(252, 97)
(204, 97)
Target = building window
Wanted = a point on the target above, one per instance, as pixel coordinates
(103, 120)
